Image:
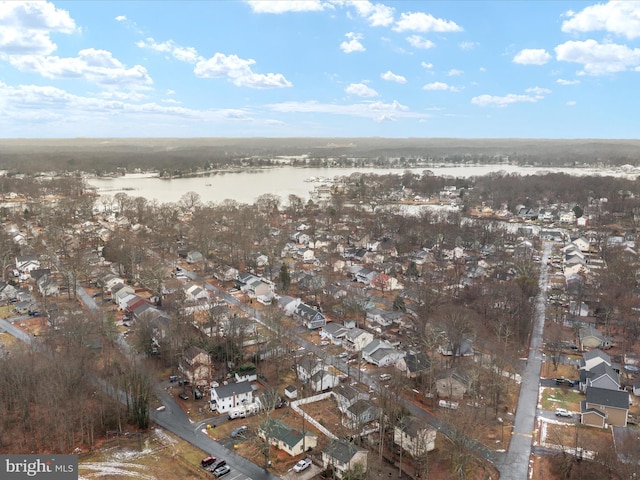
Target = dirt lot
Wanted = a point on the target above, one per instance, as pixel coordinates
(155, 455)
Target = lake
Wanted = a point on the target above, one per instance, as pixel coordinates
(245, 186)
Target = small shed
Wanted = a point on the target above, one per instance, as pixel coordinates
(291, 392)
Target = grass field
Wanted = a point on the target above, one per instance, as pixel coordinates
(552, 398)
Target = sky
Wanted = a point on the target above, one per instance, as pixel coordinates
(320, 68)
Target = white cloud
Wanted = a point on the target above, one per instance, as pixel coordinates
(96, 66)
(121, 18)
(539, 91)
(599, 58)
(417, 41)
(353, 45)
(281, 6)
(440, 86)
(482, 69)
(184, 54)
(425, 22)
(377, 14)
(619, 17)
(389, 76)
(361, 90)
(535, 95)
(171, 92)
(487, 100)
(377, 111)
(238, 71)
(426, 65)
(562, 81)
(466, 46)
(571, 103)
(25, 27)
(455, 72)
(532, 56)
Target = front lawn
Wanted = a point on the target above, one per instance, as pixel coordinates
(552, 398)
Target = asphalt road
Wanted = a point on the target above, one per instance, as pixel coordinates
(515, 465)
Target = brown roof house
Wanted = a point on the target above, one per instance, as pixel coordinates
(195, 365)
(604, 407)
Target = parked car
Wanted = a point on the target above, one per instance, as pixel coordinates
(183, 396)
(216, 464)
(173, 378)
(562, 412)
(220, 471)
(205, 462)
(197, 394)
(302, 465)
(239, 431)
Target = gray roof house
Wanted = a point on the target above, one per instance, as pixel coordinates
(381, 353)
(226, 397)
(310, 317)
(342, 456)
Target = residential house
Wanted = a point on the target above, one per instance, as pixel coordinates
(109, 281)
(307, 367)
(365, 275)
(310, 317)
(26, 263)
(465, 349)
(291, 392)
(284, 437)
(342, 456)
(419, 257)
(590, 337)
(382, 317)
(246, 373)
(195, 293)
(194, 257)
(288, 304)
(414, 364)
(8, 292)
(333, 332)
(592, 358)
(356, 339)
(601, 376)
(120, 291)
(604, 407)
(47, 285)
(415, 437)
(386, 282)
(232, 395)
(360, 413)
(453, 385)
(195, 366)
(346, 396)
(323, 380)
(381, 353)
(226, 273)
(253, 285)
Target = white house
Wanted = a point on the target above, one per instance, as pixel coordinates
(226, 397)
(356, 339)
(381, 354)
(415, 437)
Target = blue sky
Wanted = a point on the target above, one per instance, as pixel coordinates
(334, 68)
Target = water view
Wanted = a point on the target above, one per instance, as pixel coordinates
(247, 185)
